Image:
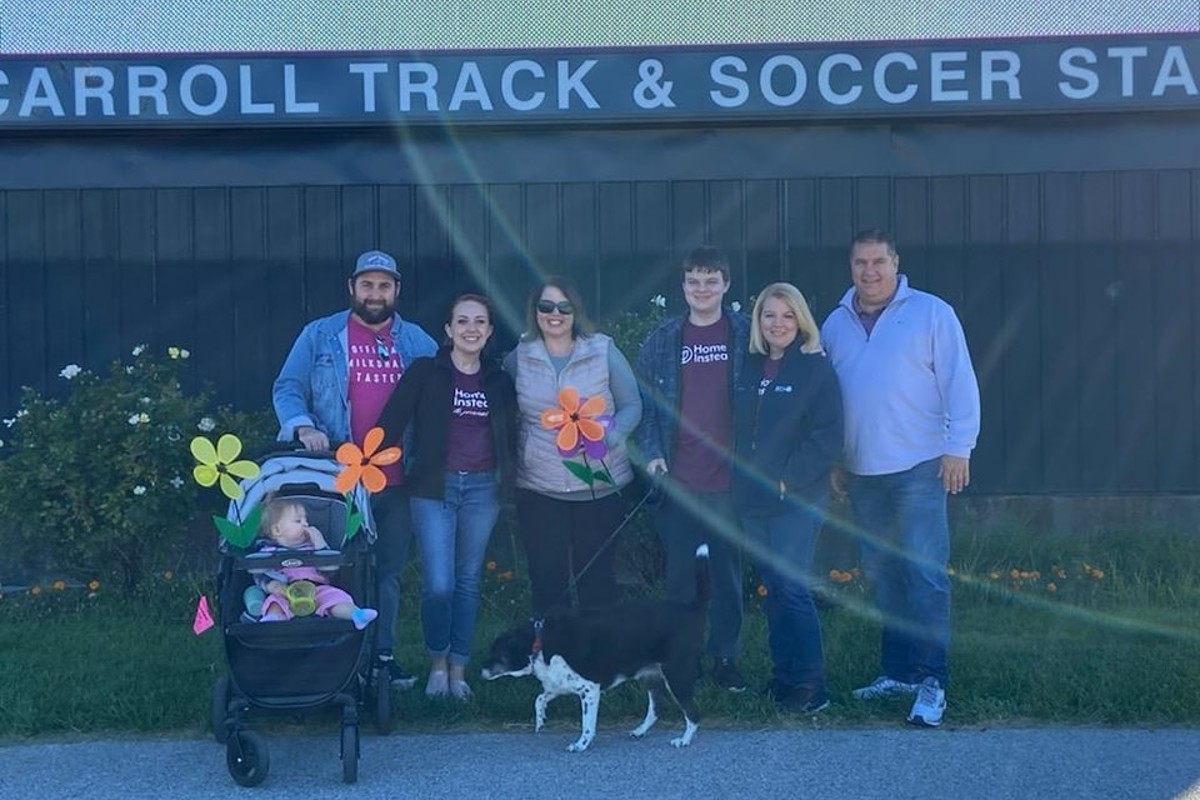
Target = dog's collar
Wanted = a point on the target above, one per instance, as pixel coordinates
(537, 636)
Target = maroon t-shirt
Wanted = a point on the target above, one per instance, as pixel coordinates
(701, 460)
(469, 440)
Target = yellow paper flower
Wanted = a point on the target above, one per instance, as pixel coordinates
(220, 464)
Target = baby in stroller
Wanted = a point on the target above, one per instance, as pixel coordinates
(287, 592)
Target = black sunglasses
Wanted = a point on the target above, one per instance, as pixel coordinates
(549, 306)
(382, 348)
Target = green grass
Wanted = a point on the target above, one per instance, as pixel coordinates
(1118, 649)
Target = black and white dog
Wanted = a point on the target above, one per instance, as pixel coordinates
(584, 651)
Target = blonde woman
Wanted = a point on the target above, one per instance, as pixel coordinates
(788, 423)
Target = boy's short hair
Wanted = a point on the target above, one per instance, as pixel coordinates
(705, 258)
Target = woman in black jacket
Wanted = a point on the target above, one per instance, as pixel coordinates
(462, 408)
(788, 434)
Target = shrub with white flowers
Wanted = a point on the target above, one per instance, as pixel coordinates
(91, 474)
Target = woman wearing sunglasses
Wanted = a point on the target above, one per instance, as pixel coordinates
(566, 524)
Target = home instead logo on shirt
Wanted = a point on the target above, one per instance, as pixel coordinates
(470, 404)
(703, 353)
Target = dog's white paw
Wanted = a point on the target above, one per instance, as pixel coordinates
(578, 746)
(680, 741)
(636, 734)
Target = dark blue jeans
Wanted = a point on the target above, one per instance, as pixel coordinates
(452, 537)
(685, 520)
(784, 546)
(905, 541)
(393, 527)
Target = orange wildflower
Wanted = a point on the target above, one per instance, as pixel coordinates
(36, 590)
(1051, 587)
(491, 566)
(762, 590)
(574, 420)
(59, 585)
(363, 464)
(93, 585)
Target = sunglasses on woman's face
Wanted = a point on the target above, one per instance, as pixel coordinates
(563, 307)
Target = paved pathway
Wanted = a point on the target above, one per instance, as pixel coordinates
(883, 763)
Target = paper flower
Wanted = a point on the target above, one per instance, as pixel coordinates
(580, 424)
(220, 464)
(363, 464)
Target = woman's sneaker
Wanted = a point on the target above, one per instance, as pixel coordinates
(883, 686)
(930, 704)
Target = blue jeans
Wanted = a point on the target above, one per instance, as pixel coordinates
(393, 527)
(784, 546)
(905, 542)
(684, 521)
(452, 538)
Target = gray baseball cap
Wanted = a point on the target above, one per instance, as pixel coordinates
(375, 261)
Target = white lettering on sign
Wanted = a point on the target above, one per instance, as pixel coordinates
(718, 72)
(571, 82)
(290, 104)
(1069, 64)
(418, 77)
(219, 90)
(879, 74)
(939, 74)
(40, 93)
(94, 83)
(826, 88)
(246, 93)
(1174, 72)
(368, 72)
(155, 91)
(469, 88)
(1126, 55)
(999, 66)
(508, 89)
(798, 79)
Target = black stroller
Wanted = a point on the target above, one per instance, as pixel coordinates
(309, 661)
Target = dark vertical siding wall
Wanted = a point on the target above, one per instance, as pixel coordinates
(1077, 290)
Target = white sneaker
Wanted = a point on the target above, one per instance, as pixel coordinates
(883, 686)
(930, 704)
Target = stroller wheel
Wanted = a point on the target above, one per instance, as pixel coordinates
(383, 708)
(349, 753)
(247, 758)
(220, 709)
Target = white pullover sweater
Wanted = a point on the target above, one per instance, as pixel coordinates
(908, 390)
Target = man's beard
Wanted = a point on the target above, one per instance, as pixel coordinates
(372, 316)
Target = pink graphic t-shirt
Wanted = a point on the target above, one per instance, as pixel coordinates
(374, 369)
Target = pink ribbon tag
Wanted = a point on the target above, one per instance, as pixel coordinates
(203, 620)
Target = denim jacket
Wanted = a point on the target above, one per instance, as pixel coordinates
(658, 371)
(313, 386)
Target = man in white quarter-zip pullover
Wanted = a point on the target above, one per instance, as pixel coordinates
(911, 405)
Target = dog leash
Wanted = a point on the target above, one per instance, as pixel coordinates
(650, 492)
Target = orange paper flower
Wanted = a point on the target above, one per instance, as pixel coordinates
(364, 464)
(573, 420)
